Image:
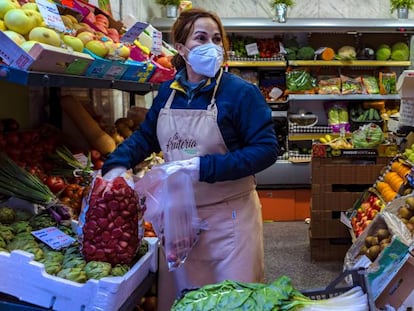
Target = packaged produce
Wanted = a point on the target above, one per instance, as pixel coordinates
(299, 80)
(109, 224)
(329, 85)
(367, 136)
(338, 117)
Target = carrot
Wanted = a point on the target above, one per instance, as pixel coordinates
(328, 54)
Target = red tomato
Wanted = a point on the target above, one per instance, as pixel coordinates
(55, 183)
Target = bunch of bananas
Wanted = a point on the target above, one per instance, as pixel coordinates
(326, 139)
(336, 143)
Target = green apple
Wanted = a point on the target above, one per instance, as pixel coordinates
(75, 43)
(7, 5)
(97, 47)
(20, 21)
(2, 26)
(16, 37)
(45, 35)
(38, 18)
(27, 45)
(30, 6)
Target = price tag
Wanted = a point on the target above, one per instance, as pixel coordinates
(156, 47)
(50, 14)
(68, 3)
(133, 32)
(53, 237)
(252, 49)
(406, 112)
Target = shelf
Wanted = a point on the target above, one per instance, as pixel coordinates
(263, 62)
(256, 63)
(355, 63)
(306, 97)
(323, 25)
(313, 136)
(42, 79)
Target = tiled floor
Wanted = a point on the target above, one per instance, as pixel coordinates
(287, 253)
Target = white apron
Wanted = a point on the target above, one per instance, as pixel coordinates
(232, 248)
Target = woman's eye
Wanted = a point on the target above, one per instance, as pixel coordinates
(217, 40)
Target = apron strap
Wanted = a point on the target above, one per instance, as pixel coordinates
(170, 100)
(213, 98)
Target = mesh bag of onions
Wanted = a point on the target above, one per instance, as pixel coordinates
(110, 222)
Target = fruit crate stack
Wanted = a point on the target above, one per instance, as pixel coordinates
(337, 182)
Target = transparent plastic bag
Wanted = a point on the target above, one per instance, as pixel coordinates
(171, 208)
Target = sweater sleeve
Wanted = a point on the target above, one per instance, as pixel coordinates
(137, 147)
(248, 130)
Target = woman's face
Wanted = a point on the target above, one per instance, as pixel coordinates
(205, 30)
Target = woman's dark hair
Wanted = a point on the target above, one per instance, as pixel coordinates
(183, 27)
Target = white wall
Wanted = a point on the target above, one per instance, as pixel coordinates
(144, 10)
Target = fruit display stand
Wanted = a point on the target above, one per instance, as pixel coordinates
(26, 279)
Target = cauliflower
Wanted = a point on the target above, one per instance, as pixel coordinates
(346, 52)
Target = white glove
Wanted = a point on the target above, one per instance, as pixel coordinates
(192, 165)
(114, 172)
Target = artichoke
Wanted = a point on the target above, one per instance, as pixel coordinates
(7, 215)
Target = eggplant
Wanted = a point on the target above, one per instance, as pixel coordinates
(366, 53)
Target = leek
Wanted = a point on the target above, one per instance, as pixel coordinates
(16, 181)
(352, 300)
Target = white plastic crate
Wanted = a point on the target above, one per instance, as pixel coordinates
(26, 279)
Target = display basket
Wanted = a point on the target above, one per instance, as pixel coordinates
(345, 281)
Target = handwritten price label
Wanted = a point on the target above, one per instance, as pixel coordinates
(50, 14)
(53, 237)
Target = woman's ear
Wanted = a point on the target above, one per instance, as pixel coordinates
(180, 48)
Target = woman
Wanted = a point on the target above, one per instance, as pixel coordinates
(221, 126)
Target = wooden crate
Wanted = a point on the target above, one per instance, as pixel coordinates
(348, 170)
(329, 249)
(327, 224)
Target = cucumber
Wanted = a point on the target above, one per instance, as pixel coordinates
(371, 114)
(377, 116)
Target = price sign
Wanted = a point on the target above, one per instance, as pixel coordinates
(406, 112)
(252, 49)
(133, 32)
(50, 14)
(156, 47)
(53, 237)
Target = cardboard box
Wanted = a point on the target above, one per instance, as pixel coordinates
(325, 151)
(27, 280)
(43, 58)
(399, 289)
(138, 71)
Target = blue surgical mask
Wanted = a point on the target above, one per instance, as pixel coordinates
(206, 59)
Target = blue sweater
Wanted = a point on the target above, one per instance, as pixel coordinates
(244, 119)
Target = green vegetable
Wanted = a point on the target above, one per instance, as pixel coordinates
(97, 269)
(232, 295)
(21, 226)
(306, 53)
(400, 55)
(6, 232)
(120, 270)
(383, 53)
(73, 274)
(52, 267)
(346, 52)
(17, 182)
(298, 80)
(400, 46)
(7, 215)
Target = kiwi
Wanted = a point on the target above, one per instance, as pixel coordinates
(373, 252)
(385, 242)
(411, 220)
(371, 240)
(404, 212)
(363, 250)
(382, 234)
(410, 202)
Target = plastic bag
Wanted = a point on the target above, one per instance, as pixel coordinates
(110, 227)
(338, 117)
(171, 208)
